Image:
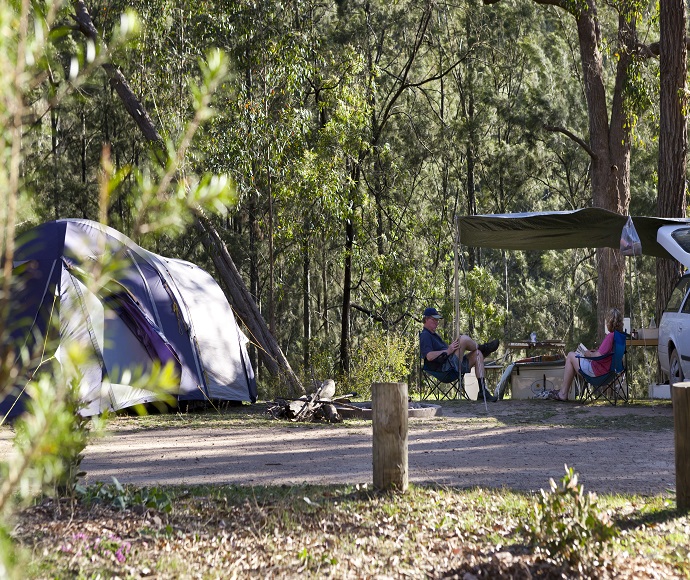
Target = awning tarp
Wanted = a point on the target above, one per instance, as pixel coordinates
(582, 228)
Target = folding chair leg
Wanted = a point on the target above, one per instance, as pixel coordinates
(431, 387)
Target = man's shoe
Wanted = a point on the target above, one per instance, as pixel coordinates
(488, 347)
(489, 397)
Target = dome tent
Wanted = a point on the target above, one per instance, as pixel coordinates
(153, 309)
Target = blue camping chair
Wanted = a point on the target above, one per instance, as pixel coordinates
(439, 384)
(611, 386)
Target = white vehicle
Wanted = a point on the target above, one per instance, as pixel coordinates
(674, 326)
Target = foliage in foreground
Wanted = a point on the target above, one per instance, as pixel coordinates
(51, 436)
(331, 531)
(567, 525)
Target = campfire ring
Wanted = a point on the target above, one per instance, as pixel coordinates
(414, 411)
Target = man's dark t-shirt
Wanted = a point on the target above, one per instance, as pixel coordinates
(428, 342)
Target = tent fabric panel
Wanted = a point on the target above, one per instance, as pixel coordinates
(86, 243)
(115, 352)
(33, 300)
(582, 228)
(125, 396)
(127, 358)
(143, 328)
(44, 242)
(140, 273)
(81, 321)
(175, 323)
(228, 375)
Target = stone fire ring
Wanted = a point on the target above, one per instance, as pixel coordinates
(414, 410)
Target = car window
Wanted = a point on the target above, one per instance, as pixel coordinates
(682, 238)
(686, 307)
(676, 299)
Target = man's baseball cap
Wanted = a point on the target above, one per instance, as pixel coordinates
(432, 312)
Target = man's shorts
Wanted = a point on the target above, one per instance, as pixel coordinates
(451, 364)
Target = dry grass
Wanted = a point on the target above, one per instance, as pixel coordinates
(327, 532)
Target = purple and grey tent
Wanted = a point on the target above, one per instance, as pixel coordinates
(151, 310)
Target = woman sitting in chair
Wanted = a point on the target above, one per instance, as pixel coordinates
(575, 361)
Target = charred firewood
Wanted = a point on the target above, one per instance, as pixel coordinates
(317, 406)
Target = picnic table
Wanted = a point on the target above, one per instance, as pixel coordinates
(528, 345)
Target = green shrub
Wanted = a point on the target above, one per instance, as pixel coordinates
(380, 357)
(124, 497)
(568, 527)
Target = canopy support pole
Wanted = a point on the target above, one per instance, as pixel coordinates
(457, 306)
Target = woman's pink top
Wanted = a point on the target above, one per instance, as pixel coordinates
(601, 367)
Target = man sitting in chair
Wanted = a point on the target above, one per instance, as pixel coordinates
(441, 357)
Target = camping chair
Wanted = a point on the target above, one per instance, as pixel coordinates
(612, 385)
(441, 385)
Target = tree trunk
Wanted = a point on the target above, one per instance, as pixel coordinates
(673, 135)
(271, 227)
(347, 277)
(54, 127)
(306, 299)
(610, 154)
(253, 268)
(243, 303)
(323, 306)
(471, 197)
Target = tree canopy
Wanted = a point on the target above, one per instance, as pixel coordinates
(355, 132)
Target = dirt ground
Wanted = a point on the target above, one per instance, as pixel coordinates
(517, 445)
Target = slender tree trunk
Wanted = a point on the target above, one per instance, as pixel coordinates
(253, 269)
(252, 233)
(673, 134)
(470, 162)
(271, 258)
(324, 287)
(306, 300)
(269, 195)
(54, 126)
(347, 276)
(82, 147)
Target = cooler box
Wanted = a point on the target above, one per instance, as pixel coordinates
(530, 379)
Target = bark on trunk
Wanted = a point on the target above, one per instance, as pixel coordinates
(673, 136)
(306, 299)
(471, 198)
(347, 284)
(610, 146)
(272, 357)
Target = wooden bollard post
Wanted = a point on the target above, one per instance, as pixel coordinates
(389, 418)
(681, 421)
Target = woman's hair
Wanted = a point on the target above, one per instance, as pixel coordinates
(614, 320)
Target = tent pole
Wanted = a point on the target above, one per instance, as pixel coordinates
(457, 304)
